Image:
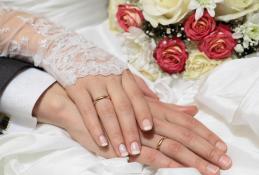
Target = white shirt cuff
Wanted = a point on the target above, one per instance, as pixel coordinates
(20, 96)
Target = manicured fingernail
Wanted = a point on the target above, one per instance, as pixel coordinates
(221, 146)
(225, 161)
(147, 125)
(103, 141)
(123, 150)
(135, 150)
(211, 169)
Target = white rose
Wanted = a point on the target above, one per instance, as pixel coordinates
(253, 18)
(164, 12)
(198, 64)
(233, 9)
(138, 48)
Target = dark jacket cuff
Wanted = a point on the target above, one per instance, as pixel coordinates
(9, 68)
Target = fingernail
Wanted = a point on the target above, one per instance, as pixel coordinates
(135, 148)
(103, 141)
(147, 125)
(123, 150)
(211, 169)
(221, 146)
(225, 161)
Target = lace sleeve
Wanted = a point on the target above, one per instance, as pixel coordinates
(64, 54)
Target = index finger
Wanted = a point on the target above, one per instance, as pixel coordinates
(197, 127)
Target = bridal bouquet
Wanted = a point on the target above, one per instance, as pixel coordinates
(187, 38)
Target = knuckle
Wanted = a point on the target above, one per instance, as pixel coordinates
(175, 147)
(88, 111)
(188, 137)
(190, 122)
(106, 111)
(58, 106)
(125, 108)
(114, 78)
(116, 137)
(152, 156)
(193, 123)
(199, 163)
(93, 80)
(142, 115)
(131, 134)
(136, 94)
(212, 138)
(158, 123)
(95, 130)
(214, 154)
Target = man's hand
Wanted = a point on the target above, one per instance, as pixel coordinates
(187, 143)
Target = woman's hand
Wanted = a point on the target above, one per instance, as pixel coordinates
(187, 143)
(117, 114)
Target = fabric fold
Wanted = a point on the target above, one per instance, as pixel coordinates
(232, 92)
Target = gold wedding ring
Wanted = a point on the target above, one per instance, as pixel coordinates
(101, 98)
(160, 143)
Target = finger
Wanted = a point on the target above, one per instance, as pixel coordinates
(145, 89)
(174, 115)
(148, 156)
(197, 127)
(87, 110)
(80, 133)
(109, 119)
(190, 110)
(180, 153)
(138, 101)
(155, 159)
(125, 114)
(194, 142)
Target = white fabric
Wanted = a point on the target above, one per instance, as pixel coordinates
(86, 12)
(53, 152)
(20, 96)
(48, 150)
(237, 99)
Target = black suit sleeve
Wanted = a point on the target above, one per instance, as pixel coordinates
(9, 68)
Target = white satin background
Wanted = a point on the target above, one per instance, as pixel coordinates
(49, 150)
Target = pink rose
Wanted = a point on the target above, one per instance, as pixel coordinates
(171, 55)
(129, 16)
(218, 45)
(197, 30)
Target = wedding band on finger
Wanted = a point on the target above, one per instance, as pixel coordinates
(101, 98)
(160, 143)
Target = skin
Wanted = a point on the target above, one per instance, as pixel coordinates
(188, 142)
(118, 115)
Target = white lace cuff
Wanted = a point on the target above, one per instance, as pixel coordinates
(64, 54)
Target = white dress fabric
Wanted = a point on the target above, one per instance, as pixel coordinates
(232, 92)
(49, 150)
